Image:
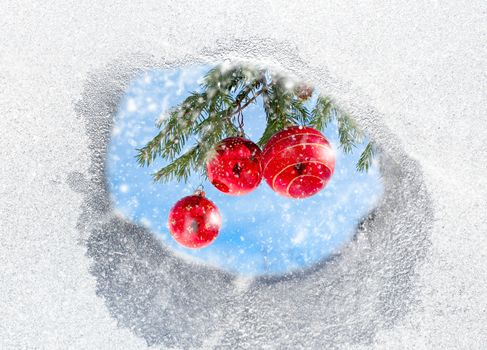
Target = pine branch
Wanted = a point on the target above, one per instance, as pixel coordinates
(275, 121)
(321, 114)
(300, 111)
(194, 159)
(208, 117)
(179, 169)
(366, 158)
(348, 132)
(180, 123)
(248, 102)
(232, 78)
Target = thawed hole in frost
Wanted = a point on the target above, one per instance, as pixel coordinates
(262, 232)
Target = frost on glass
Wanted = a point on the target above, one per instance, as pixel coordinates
(171, 301)
(262, 232)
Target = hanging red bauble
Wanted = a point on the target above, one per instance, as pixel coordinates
(235, 167)
(194, 221)
(298, 162)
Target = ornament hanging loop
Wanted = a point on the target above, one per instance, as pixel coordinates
(240, 121)
(200, 190)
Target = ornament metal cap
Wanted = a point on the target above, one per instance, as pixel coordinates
(199, 191)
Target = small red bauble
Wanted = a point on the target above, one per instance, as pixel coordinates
(298, 162)
(194, 221)
(236, 166)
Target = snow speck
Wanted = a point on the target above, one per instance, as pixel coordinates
(131, 105)
(299, 237)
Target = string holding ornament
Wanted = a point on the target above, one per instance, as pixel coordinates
(241, 125)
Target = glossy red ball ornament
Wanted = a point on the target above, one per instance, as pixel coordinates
(235, 167)
(194, 221)
(298, 162)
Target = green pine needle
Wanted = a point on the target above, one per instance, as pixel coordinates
(321, 115)
(366, 158)
(210, 115)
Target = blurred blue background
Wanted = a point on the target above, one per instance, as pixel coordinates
(262, 233)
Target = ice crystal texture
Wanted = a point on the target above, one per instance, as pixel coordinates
(167, 299)
(75, 275)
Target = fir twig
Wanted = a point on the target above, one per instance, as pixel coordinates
(207, 116)
(348, 132)
(366, 158)
(180, 168)
(321, 114)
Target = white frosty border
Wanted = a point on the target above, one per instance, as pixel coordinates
(169, 301)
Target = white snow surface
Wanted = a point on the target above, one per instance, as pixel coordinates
(74, 275)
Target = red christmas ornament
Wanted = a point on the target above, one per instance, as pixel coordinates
(194, 221)
(298, 162)
(236, 166)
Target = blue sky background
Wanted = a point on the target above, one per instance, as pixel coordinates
(261, 233)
